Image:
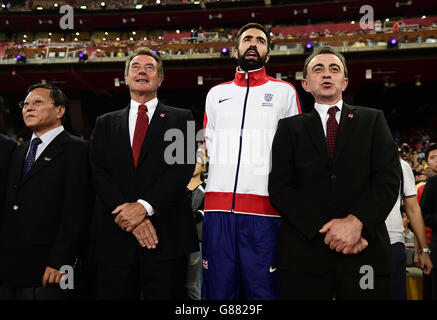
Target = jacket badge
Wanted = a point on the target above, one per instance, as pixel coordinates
(268, 98)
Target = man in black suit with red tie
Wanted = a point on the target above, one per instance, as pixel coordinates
(6, 147)
(145, 228)
(46, 202)
(335, 177)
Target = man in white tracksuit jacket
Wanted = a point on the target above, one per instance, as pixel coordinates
(240, 226)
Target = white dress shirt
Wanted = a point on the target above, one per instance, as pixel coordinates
(46, 138)
(322, 109)
(133, 114)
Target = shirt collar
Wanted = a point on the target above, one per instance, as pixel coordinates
(47, 137)
(322, 109)
(151, 105)
(256, 77)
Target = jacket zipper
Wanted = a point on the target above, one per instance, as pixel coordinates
(241, 142)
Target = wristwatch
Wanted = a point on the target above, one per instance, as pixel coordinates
(425, 250)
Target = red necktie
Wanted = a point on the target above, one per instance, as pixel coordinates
(331, 130)
(140, 132)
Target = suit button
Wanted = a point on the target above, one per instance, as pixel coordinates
(15, 208)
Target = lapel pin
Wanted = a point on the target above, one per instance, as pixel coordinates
(162, 115)
(47, 158)
(350, 115)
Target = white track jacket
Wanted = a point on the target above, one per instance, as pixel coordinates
(240, 122)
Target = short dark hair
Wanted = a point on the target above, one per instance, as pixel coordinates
(325, 50)
(256, 26)
(432, 147)
(59, 98)
(147, 52)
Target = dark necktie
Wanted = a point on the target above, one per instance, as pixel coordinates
(140, 132)
(30, 159)
(331, 130)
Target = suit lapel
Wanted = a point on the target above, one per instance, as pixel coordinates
(346, 129)
(156, 127)
(314, 126)
(50, 152)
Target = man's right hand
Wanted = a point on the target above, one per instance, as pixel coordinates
(146, 234)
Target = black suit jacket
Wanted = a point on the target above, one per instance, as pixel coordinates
(161, 184)
(308, 191)
(45, 212)
(6, 147)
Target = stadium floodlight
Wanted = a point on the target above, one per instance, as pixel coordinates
(224, 52)
(309, 47)
(21, 58)
(102, 4)
(392, 43)
(82, 56)
(139, 6)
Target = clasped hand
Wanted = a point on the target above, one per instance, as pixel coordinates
(132, 217)
(344, 235)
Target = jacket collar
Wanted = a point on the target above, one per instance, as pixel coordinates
(256, 77)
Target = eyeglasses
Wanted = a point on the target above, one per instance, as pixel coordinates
(36, 103)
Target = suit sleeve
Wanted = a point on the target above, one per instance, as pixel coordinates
(76, 210)
(428, 203)
(382, 190)
(106, 189)
(172, 184)
(292, 205)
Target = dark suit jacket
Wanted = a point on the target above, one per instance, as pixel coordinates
(45, 212)
(6, 147)
(308, 191)
(160, 184)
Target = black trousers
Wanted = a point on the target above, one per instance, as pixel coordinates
(146, 277)
(36, 293)
(336, 283)
(398, 284)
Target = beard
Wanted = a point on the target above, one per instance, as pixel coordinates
(250, 64)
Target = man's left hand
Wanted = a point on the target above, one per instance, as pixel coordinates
(425, 263)
(129, 215)
(342, 234)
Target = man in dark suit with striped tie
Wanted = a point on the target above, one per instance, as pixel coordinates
(145, 228)
(46, 202)
(335, 178)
